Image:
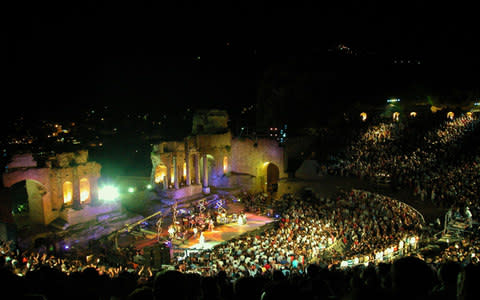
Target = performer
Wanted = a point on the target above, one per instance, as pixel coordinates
(202, 240)
(211, 225)
(171, 231)
(240, 219)
(195, 232)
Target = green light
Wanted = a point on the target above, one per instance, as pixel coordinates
(108, 193)
(131, 189)
(149, 186)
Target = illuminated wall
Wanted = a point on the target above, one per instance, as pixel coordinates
(67, 192)
(65, 179)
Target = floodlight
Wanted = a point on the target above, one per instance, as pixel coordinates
(108, 193)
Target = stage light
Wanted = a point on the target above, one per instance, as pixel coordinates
(149, 186)
(108, 193)
(66, 247)
(131, 189)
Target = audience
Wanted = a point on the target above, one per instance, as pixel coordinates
(305, 253)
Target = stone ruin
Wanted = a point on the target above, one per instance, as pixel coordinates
(55, 184)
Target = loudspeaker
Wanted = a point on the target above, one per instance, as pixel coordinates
(156, 256)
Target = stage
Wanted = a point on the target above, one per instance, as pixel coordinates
(225, 232)
(218, 235)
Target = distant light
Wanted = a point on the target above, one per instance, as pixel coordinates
(131, 189)
(66, 247)
(393, 100)
(476, 103)
(363, 116)
(108, 193)
(149, 186)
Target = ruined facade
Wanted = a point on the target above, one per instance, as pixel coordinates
(212, 157)
(64, 180)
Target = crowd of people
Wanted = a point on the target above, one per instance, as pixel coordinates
(357, 224)
(406, 277)
(306, 252)
(440, 165)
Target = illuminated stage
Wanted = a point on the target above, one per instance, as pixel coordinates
(220, 234)
(226, 232)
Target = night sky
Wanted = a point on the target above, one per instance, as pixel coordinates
(150, 55)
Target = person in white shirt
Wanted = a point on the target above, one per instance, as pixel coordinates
(202, 240)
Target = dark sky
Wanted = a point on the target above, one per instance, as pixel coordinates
(147, 54)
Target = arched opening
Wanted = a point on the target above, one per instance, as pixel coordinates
(19, 198)
(225, 164)
(84, 190)
(272, 177)
(413, 114)
(450, 115)
(67, 192)
(396, 116)
(363, 116)
(160, 173)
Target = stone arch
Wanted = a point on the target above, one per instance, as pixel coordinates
(225, 164)
(273, 174)
(85, 195)
(38, 191)
(37, 199)
(67, 192)
(19, 198)
(160, 173)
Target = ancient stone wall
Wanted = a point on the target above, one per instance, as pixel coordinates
(45, 185)
(213, 142)
(210, 121)
(22, 161)
(249, 157)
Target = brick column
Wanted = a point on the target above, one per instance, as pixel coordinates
(205, 188)
(168, 177)
(187, 167)
(175, 172)
(76, 189)
(197, 168)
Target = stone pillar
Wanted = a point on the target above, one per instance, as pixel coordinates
(165, 182)
(175, 172)
(205, 187)
(187, 167)
(152, 174)
(168, 177)
(197, 168)
(187, 163)
(93, 190)
(76, 189)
